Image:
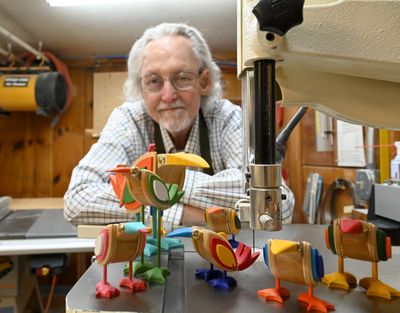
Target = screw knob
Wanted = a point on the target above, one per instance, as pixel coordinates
(279, 16)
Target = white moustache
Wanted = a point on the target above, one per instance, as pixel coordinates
(171, 107)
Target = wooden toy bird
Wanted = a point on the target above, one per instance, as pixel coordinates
(216, 249)
(360, 240)
(170, 168)
(155, 180)
(148, 188)
(223, 220)
(296, 262)
(117, 243)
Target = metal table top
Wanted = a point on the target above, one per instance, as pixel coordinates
(184, 293)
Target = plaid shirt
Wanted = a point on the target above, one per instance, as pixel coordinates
(90, 198)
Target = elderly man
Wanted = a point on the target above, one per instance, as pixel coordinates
(173, 94)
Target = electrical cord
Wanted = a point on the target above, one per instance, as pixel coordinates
(51, 293)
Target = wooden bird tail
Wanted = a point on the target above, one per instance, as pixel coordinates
(244, 256)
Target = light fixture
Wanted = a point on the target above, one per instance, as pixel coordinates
(63, 3)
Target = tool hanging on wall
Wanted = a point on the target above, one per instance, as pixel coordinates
(45, 93)
(42, 84)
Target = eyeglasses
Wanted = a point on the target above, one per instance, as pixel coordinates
(182, 81)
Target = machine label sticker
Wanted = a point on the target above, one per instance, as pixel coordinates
(16, 81)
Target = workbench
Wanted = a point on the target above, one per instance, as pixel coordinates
(184, 293)
(35, 226)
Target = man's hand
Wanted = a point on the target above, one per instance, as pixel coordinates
(193, 216)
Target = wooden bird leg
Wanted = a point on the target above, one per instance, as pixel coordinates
(133, 284)
(375, 287)
(154, 222)
(142, 219)
(104, 289)
(340, 265)
(158, 237)
(374, 270)
(314, 303)
(105, 275)
(130, 274)
(340, 279)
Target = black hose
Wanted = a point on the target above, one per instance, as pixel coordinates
(283, 136)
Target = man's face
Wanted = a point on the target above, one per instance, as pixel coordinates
(165, 58)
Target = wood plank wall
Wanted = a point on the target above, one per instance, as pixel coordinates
(36, 158)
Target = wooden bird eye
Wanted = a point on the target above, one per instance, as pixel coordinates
(196, 234)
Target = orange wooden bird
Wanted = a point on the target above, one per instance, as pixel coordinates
(170, 168)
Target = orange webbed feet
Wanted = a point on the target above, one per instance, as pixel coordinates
(315, 304)
(274, 294)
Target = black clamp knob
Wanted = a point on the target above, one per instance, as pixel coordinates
(279, 16)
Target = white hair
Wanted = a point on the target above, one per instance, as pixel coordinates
(200, 49)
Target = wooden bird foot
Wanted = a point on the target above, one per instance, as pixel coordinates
(315, 304)
(234, 243)
(150, 250)
(139, 267)
(226, 283)
(156, 275)
(340, 280)
(135, 285)
(274, 294)
(207, 275)
(105, 290)
(166, 243)
(376, 288)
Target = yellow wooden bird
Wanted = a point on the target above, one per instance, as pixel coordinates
(224, 220)
(360, 240)
(296, 262)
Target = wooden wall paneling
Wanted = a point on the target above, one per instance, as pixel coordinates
(69, 145)
(38, 156)
(12, 142)
(25, 145)
(232, 85)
